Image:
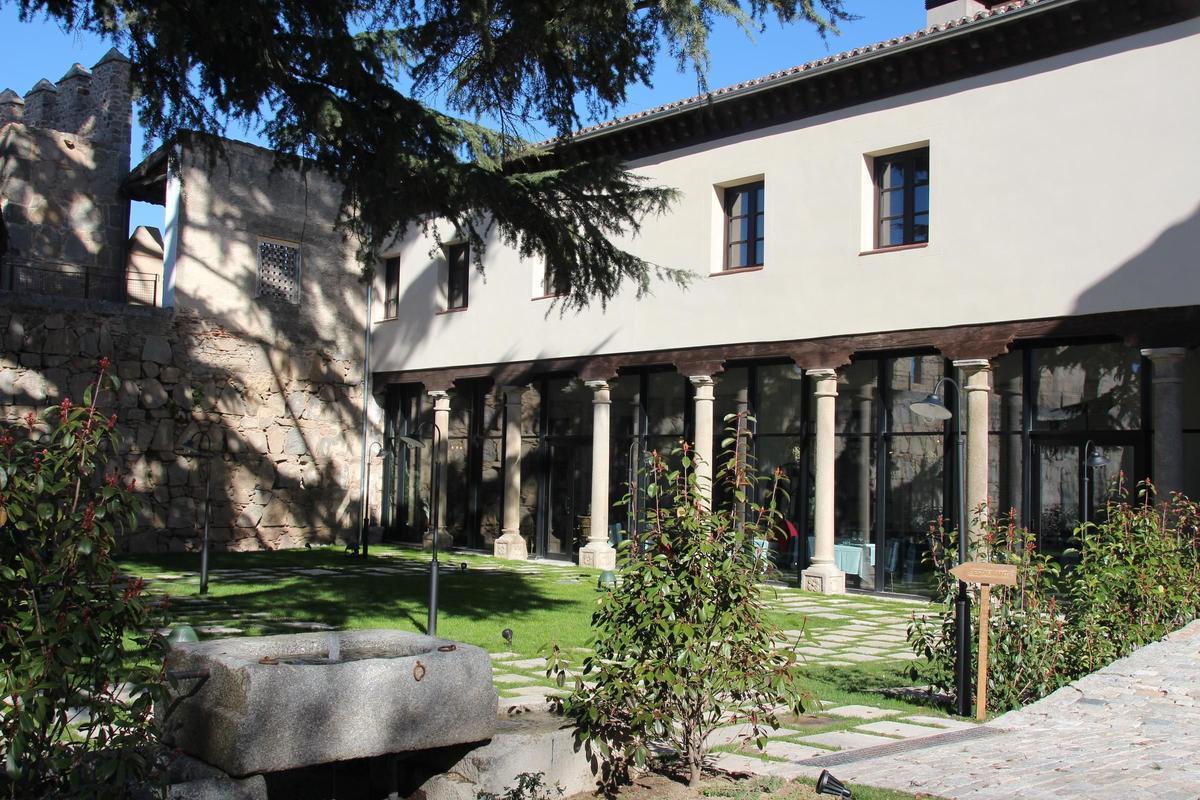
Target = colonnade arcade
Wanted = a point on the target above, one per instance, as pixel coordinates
(520, 455)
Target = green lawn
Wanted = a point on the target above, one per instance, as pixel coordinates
(267, 592)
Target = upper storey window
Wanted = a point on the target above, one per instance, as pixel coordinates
(745, 212)
(902, 186)
(278, 270)
(391, 288)
(458, 257)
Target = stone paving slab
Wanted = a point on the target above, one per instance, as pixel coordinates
(861, 712)
(904, 730)
(1128, 731)
(793, 752)
(941, 722)
(846, 740)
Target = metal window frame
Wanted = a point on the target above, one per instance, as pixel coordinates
(910, 159)
(758, 258)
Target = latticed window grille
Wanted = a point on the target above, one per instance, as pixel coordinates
(279, 270)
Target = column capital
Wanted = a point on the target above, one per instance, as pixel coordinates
(701, 380)
(1164, 353)
(972, 364)
(438, 395)
(821, 373)
(597, 386)
(513, 393)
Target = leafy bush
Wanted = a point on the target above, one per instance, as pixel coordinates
(529, 786)
(1133, 578)
(1138, 578)
(76, 713)
(1027, 631)
(683, 644)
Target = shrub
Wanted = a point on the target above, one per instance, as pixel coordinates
(1133, 578)
(1137, 578)
(1027, 631)
(76, 712)
(683, 644)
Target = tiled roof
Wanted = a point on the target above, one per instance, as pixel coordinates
(782, 75)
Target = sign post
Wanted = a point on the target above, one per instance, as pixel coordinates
(986, 575)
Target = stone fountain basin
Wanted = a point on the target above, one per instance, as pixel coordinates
(274, 703)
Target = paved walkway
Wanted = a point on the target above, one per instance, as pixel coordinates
(1131, 730)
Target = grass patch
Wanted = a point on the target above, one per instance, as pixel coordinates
(260, 593)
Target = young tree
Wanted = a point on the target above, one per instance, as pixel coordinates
(352, 84)
(683, 642)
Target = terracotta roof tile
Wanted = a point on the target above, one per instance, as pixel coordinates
(857, 52)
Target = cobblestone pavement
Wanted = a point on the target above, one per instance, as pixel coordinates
(1131, 730)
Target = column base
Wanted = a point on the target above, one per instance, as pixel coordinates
(510, 546)
(598, 555)
(823, 579)
(445, 540)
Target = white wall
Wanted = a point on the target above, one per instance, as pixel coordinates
(1067, 186)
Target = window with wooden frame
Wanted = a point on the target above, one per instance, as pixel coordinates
(391, 288)
(745, 216)
(902, 198)
(458, 257)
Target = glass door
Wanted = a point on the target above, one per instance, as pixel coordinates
(568, 489)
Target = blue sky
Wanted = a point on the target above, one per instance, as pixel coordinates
(40, 49)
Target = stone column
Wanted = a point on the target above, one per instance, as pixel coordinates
(441, 455)
(598, 552)
(511, 544)
(824, 576)
(977, 378)
(704, 435)
(1166, 416)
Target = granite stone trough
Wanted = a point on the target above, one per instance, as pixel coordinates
(274, 703)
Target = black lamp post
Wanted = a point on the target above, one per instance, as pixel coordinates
(1093, 459)
(366, 517)
(434, 489)
(933, 407)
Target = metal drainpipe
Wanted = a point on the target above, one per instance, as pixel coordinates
(366, 383)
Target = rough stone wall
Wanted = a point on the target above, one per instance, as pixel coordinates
(267, 422)
(63, 156)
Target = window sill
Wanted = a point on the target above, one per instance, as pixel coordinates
(735, 271)
(894, 248)
(547, 297)
(449, 311)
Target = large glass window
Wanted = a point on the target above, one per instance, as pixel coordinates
(745, 220)
(391, 288)
(902, 185)
(1087, 387)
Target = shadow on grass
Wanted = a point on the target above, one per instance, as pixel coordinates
(353, 596)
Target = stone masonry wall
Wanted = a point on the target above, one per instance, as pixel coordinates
(272, 424)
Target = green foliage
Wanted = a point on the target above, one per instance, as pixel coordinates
(746, 790)
(683, 644)
(350, 83)
(1134, 577)
(1138, 578)
(76, 717)
(1027, 632)
(530, 786)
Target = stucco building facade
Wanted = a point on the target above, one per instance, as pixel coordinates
(1005, 199)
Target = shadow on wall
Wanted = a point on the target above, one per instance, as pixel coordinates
(1170, 261)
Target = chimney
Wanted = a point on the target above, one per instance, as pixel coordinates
(12, 107)
(75, 110)
(41, 105)
(939, 12)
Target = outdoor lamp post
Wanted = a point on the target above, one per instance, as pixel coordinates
(933, 407)
(1093, 459)
(434, 489)
(363, 524)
